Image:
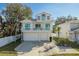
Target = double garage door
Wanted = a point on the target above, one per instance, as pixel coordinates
(36, 36)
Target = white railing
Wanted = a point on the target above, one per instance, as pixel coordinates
(36, 30)
(31, 30)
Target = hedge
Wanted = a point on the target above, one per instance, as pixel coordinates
(65, 42)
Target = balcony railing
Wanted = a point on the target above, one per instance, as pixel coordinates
(37, 29)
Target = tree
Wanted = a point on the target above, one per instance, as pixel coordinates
(54, 28)
(17, 11)
(1, 19)
(60, 20)
(14, 13)
(63, 19)
(1, 27)
(58, 30)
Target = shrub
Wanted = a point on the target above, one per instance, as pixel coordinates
(65, 42)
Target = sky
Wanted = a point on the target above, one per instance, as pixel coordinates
(55, 9)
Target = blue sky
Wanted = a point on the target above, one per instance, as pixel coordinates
(56, 9)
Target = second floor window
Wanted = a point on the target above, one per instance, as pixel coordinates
(43, 16)
(27, 26)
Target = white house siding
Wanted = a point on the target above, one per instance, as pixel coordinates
(64, 30)
(36, 36)
(72, 37)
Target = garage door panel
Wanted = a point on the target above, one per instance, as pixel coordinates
(35, 36)
(44, 36)
(30, 36)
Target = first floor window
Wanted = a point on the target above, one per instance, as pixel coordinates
(27, 26)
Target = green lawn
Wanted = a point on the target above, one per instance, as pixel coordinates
(8, 50)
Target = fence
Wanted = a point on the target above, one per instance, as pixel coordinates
(9, 39)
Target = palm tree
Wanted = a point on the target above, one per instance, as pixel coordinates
(58, 30)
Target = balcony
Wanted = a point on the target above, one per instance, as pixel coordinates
(36, 30)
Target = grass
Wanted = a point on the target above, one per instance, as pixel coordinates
(8, 50)
(66, 54)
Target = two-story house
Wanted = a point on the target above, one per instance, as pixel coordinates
(70, 29)
(37, 29)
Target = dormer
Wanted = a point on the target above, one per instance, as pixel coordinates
(43, 16)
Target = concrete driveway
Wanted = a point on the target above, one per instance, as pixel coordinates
(28, 45)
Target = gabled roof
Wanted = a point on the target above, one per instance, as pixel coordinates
(43, 13)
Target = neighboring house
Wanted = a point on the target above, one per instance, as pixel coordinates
(70, 29)
(37, 29)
